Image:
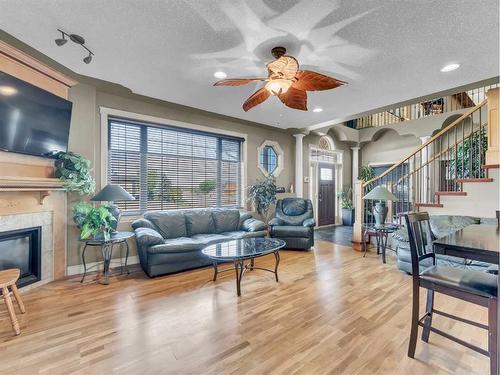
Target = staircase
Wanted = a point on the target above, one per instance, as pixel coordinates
(455, 172)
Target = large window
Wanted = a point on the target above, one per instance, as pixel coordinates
(168, 167)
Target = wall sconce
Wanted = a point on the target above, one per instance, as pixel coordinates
(75, 39)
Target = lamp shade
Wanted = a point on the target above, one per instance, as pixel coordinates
(111, 193)
(380, 193)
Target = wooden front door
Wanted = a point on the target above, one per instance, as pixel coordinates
(326, 194)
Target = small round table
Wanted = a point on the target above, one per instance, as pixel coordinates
(239, 251)
(107, 251)
(381, 234)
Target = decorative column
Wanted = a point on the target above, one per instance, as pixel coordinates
(493, 152)
(357, 229)
(425, 184)
(299, 165)
(355, 165)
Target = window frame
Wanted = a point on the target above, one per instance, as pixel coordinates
(139, 119)
(279, 158)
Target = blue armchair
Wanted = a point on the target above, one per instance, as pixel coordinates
(294, 223)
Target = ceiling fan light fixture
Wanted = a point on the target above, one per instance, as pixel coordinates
(278, 86)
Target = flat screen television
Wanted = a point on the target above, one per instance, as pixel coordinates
(32, 121)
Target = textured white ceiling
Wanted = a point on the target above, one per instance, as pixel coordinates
(388, 50)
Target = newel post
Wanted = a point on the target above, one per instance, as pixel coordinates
(357, 230)
(493, 152)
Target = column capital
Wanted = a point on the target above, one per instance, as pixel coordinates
(355, 148)
(425, 138)
(299, 135)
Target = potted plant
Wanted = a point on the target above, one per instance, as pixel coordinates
(262, 194)
(345, 198)
(93, 221)
(75, 173)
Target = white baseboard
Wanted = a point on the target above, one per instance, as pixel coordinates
(115, 262)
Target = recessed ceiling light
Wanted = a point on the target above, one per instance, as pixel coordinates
(450, 67)
(220, 75)
(8, 90)
(318, 109)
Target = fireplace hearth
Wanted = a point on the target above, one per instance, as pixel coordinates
(21, 248)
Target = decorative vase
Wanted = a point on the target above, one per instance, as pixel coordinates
(380, 213)
(348, 217)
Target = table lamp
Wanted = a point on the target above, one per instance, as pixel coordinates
(111, 193)
(380, 193)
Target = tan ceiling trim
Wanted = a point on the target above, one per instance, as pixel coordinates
(21, 57)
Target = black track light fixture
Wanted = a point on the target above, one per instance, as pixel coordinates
(61, 41)
(88, 59)
(77, 39)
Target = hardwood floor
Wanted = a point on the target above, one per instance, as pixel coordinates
(333, 312)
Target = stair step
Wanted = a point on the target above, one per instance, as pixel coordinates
(462, 180)
(451, 193)
(428, 205)
(490, 166)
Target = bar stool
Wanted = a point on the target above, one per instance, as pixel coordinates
(8, 280)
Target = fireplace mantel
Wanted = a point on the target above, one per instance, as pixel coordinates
(43, 185)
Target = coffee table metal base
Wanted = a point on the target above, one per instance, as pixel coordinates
(240, 268)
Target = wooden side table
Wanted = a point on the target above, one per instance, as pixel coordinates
(117, 238)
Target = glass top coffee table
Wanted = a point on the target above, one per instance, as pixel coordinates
(240, 251)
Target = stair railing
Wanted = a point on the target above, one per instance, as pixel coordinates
(440, 166)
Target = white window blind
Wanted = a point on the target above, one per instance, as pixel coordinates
(169, 168)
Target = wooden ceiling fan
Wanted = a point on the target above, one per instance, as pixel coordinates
(285, 81)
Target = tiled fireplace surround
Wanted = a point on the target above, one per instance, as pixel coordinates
(30, 220)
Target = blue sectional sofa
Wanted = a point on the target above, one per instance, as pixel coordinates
(171, 241)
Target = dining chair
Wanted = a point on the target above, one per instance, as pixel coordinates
(477, 287)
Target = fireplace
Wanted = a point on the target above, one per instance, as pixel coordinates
(21, 248)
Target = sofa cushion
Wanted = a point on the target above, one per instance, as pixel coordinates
(199, 221)
(170, 224)
(176, 245)
(239, 234)
(148, 237)
(226, 220)
(142, 223)
(206, 239)
(291, 231)
(293, 206)
(443, 225)
(253, 225)
(243, 216)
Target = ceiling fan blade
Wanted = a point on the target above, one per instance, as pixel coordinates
(237, 81)
(312, 81)
(285, 67)
(258, 97)
(294, 98)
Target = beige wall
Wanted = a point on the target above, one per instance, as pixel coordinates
(388, 148)
(85, 138)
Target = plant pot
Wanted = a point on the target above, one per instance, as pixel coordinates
(348, 216)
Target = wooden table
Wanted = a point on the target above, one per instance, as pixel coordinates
(475, 242)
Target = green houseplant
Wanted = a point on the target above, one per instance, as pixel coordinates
(75, 173)
(93, 221)
(262, 194)
(366, 173)
(345, 198)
